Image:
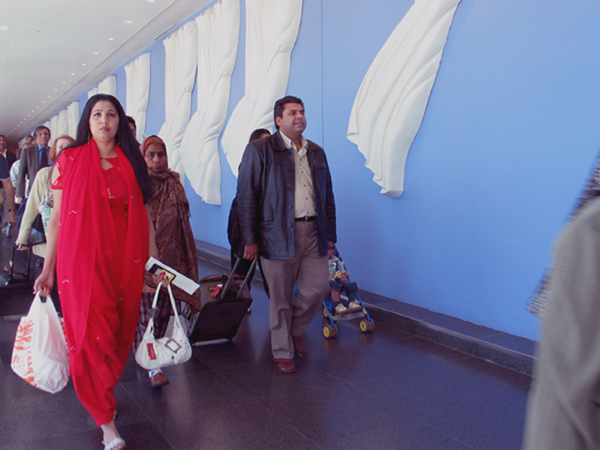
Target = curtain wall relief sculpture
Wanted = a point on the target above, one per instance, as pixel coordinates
(393, 95)
(137, 73)
(271, 32)
(181, 59)
(218, 36)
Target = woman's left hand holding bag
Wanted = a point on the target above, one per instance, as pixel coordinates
(44, 283)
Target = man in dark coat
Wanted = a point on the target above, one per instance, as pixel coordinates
(287, 216)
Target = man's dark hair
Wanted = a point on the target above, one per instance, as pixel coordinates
(280, 106)
(124, 138)
(1, 135)
(41, 127)
(256, 134)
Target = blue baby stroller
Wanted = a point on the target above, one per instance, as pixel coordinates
(343, 302)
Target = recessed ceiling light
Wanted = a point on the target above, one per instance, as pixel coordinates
(64, 82)
(3, 28)
(150, 1)
(55, 90)
(38, 106)
(129, 21)
(111, 38)
(49, 96)
(43, 101)
(94, 53)
(83, 64)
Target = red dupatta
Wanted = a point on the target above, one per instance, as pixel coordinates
(87, 250)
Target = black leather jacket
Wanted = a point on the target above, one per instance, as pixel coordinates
(265, 195)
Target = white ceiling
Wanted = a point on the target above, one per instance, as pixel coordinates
(56, 50)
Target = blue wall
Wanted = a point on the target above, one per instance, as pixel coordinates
(507, 141)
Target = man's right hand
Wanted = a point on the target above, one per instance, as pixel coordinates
(250, 251)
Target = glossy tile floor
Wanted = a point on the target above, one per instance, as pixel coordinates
(384, 390)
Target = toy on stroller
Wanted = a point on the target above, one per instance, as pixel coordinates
(343, 300)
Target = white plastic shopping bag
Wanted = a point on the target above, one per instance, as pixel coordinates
(40, 350)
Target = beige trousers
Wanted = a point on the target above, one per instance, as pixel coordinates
(309, 272)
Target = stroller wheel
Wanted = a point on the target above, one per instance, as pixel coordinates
(325, 311)
(329, 331)
(366, 326)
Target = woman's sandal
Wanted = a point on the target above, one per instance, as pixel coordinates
(116, 444)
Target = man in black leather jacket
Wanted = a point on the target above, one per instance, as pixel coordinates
(287, 216)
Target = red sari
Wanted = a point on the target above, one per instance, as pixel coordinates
(102, 250)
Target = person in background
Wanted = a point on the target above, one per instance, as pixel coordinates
(287, 215)
(563, 409)
(133, 128)
(4, 151)
(9, 191)
(170, 215)
(40, 191)
(10, 159)
(32, 160)
(233, 230)
(100, 187)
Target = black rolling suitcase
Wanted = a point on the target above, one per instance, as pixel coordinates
(20, 267)
(225, 301)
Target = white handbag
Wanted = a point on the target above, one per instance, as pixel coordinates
(166, 351)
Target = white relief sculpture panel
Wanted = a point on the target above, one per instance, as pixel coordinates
(181, 58)
(271, 33)
(391, 101)
(218, 36)
(137, 74)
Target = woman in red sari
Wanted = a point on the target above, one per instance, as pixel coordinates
(99, 239)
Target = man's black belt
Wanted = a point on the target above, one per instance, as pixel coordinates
(306, 219)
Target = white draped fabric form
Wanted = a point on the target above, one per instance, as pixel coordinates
(62, 126)
(73, 119)
(106, 86)
(138, 91)
(181, 59)
(392, 98)
(218, 36)
(53, 129)
(271, 32)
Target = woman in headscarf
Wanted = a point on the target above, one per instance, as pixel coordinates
(100, 186)
(170, 214)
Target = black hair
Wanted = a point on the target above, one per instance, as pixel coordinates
(41, 127)
(131, 120)
(256, 134)
(280, 106)
(124, 138)
(1, 135)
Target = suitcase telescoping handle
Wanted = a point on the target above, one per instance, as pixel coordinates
(244, 284)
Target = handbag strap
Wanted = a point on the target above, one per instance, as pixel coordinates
(177, 321)
(155, 302)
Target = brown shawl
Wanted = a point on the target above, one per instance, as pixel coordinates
(169, 209)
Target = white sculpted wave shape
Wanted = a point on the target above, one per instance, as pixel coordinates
(181, 59)
(391, 101)
(271, 33)
(218, 37)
